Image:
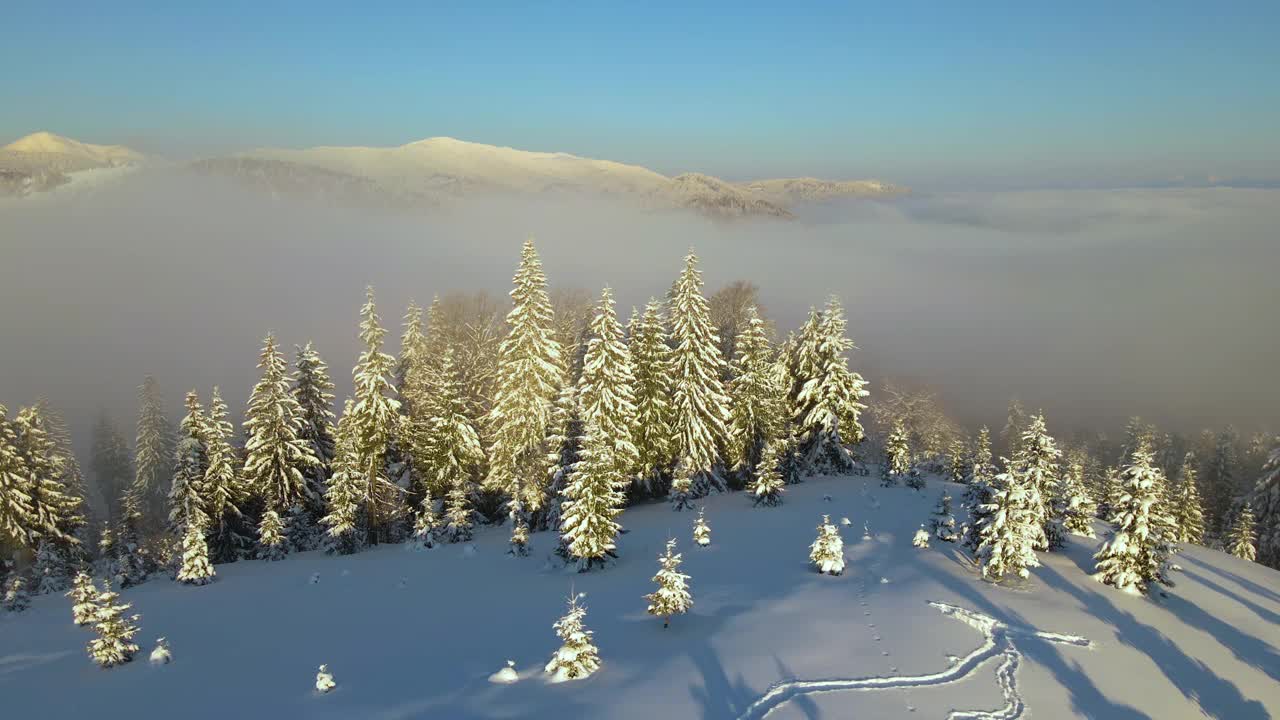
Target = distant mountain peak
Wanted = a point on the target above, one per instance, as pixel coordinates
(54, 144)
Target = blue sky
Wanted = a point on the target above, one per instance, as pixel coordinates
(939, 94)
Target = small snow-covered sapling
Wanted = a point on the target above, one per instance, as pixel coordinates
(161, 655)
(324, 680)
(701, 531)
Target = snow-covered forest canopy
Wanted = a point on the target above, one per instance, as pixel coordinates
(551, 417)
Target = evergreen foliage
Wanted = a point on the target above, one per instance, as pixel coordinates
(672, 596)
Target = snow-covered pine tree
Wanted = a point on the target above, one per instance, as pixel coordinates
(897, 456)
(1036, 462)
(114, 644)
(344, 493)
(655, 435)
(592, 500)
(606, 389)
(313, 390)
(1073, 506)
(68, 474)
(681, 493)
(111, 464)
(672, 596)
(277, 454)
(375, 424)
(1135, 554)
(921, 538)
(1219, 480)
(827, 552)
(700, 408)
(196, 568)
(577, 657)
(16, 515)
(1188, 512)
(324, 680)
(977, 496)
(458, 515)
(701, 530)
(153, 452)
(56, 514)
(959, 464)
(1014, 427)
(757, 412)
(530, 375)
(273, 537)
(190, 460)
(768, 486)
(84, 599)
(426, 522)
(1240, 538)
(224, 493)
(132, 563)
(52, 569)
(1266, 498)
(943, 523)
(1009, 526)
(17, 594)
(829, 398)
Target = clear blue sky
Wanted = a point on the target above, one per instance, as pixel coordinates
(941, 94)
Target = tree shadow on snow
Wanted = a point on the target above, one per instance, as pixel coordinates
(1243, 582)
(1263, 613)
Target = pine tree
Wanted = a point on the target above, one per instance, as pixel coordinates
(829, 395)
(17, 594)
(530, 374)
(313, 390)
(52, 568)
(344, 493)
(942, 523)
(1036, 462)
(1072, 502)
(196, 568)
(1014, 427)
(701, 531)
(111, 463)
(1188, 512)
(897, 456)
(592, 501)
(1135, 554)
(273, 541)
(277, 455)
(577, 657)
(56, 514)
(827, 552)
(16, 513)
(959, 465)
(672, 596)
(70, 478)
(1240, 539)
(114, 644)
(187, 493)
(921, 538)
(655, 435)
(1009, 526)
(224, 493)
(606, 389)
(699, 405)
(1219, 480)
(426, 522)
(84, 599)
(153, 451)
(1266, 498)
(458, 515)
(768, 486)
(375, 424)
(977, 496)
(757, 413)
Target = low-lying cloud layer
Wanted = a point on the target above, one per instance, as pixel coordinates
(1093, 304)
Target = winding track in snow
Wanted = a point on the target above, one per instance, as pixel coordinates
(998, 642)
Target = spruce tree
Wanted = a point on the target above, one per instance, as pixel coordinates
(1037, 462)
(1188, 511)
(829, 396)
(577, 657)
(701, 530)
(426, 522)
(17, 522)
(17, 594)
(942, 523)
(959, 464)
(1219, 480)
(273, 540)
(196, 568)
(313, 391)
(111, 464)
(1240, 538)
(56, 514)
(114, 644)
(1135, 554)
(897, 456)
(699, 405)
(1014, 427)
(530, 374)
(757, 413)
(52, 569)
(224, 491)
(375, 425)
(768, 485)
(1009, 526)
(277, 456)
(84, 599)
(1072, 502)
(977, 496)
(655, 435)
(456, 452)
(458, 515)
(827, 552)
(592, 500)
(188, 492)
(1266, 498)
(672, 596)
(153, 452)
(606, 389)
(344, 493)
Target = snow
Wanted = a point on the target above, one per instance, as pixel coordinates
(768, 636)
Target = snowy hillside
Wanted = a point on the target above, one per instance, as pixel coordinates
(905, 632)
(43, 161)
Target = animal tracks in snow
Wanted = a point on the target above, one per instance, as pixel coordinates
(998, 643)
